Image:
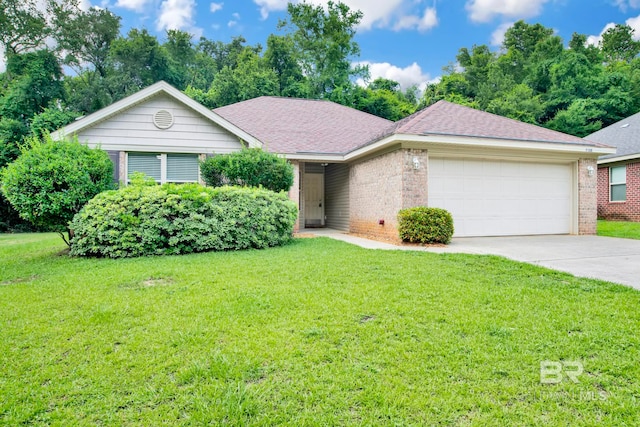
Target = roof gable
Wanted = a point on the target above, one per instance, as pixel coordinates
(291, 125)
(624, 135)
(144, 95)
(446, 118)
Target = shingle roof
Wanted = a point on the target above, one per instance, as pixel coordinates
(289, 125)
(446, 118)
(624, 135)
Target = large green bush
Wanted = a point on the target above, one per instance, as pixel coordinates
(177, 219)
(52, 180)
(251, 167)
(425, 225)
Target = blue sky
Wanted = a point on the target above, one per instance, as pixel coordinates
(405, 40)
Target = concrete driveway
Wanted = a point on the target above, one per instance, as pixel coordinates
(604, 258)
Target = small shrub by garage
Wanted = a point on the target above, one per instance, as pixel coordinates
(170, 219)
(425, 225)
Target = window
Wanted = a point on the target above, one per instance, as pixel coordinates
(618, 183)
(164, 167)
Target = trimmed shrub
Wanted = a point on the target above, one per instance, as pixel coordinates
(143, 219)
(250, 167)
(425, 225)
(50, 182)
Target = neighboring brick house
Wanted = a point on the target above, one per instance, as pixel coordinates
(355, 171)
(619, 173)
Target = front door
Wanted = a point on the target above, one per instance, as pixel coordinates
(313, 187)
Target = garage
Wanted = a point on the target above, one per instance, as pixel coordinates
(503, 198)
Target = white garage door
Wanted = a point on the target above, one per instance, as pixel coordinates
(502, 198)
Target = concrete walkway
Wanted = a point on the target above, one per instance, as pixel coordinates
(605, 258)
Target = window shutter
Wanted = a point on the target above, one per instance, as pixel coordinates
(147, 163)
(182, 167)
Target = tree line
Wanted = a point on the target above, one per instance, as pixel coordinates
(63, 62)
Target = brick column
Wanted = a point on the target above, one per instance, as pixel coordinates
(587, 196)
(414, 178)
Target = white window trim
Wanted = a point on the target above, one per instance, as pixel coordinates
(611, 183)
(163, 168)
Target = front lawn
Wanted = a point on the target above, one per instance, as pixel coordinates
(318, 332)
(627, 230)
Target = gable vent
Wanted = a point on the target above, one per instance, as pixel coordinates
(163, 119)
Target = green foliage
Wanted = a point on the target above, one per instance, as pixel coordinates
(251, 167)
(323, 40)
(50, 182)
(425, 225)
(51, 119)
(143, 219)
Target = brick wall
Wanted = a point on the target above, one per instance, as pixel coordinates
(620, 211)
(379, 187)
(587, 197)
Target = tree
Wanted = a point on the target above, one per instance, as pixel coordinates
(51, 119)
(617, 44)
(524, 38)
(23, 26)
(250, 79)
(37, 81)
(51, 181)
(324, 44)
(280, 57)
(139, 61)
(87, 36)
(250, 167)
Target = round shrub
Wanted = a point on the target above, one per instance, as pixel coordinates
(425, 225)
(251, 167)
(145, 219)
(50, 182)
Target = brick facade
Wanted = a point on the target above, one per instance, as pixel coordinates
(379, 187)
(628, 210)
(587, 196)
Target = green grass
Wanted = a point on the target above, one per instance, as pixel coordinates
(627, 230)
(314, 333)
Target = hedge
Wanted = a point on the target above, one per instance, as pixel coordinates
(425, 225)
(142, 220)
(52, 180)
(251, 167)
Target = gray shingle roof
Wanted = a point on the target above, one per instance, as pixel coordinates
(446, 118)
(624, 135)
(295, 126)
(290, 125)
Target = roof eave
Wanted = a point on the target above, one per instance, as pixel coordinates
(587, 149)
(616, 159)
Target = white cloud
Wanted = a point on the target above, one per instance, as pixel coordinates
(632, 22)
(267, 6)
(428, 20)
(232, 24)
(214, 7)
(395, 14)
(407, 77)
(497, 37)
(178, 15)
(626, 4)
(486, 10)
(137, 5)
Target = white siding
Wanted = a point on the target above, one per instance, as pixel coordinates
(336, 187)
(133, 130)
